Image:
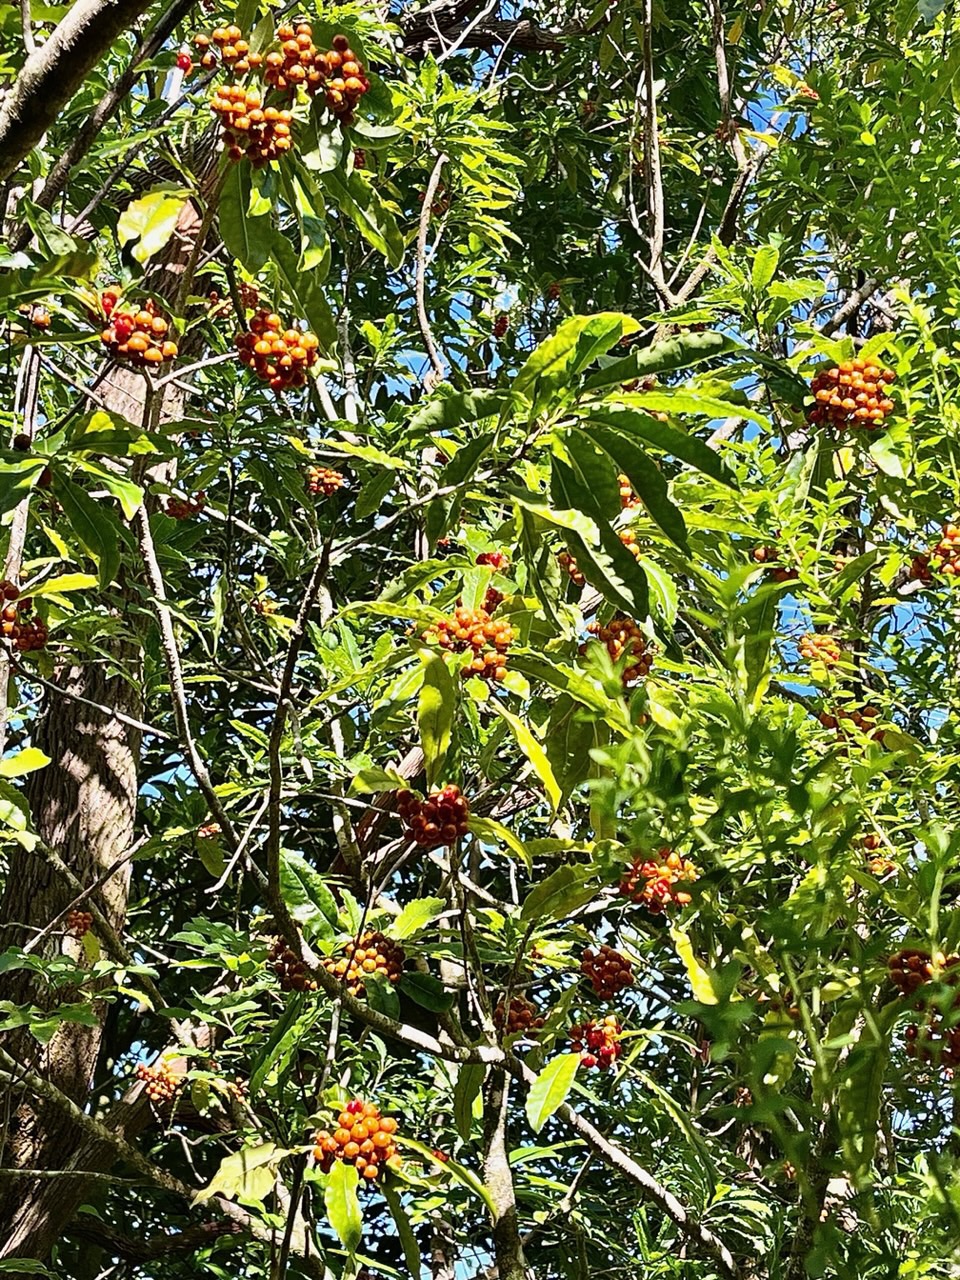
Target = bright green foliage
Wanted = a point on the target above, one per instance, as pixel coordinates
(572, 387)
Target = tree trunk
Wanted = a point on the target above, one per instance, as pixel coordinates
(507, 1247)
(84, 806)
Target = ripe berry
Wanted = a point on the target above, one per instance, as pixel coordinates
(162, 1083)
(628, 499)
(292, 973)
(134, 336)
(598, 1042)
(376, 956)
(522, 1018)
(659, 880)
(78, 923)
(321, 480)
(497, 560)
(186, 508)
(852, 394)
(278, 357)
(501, 325)
(441, 819)
(609, 971)
(362, 1137)
(817, 646)
(22, 442)
(185, 63)
(474, 632)
(945, 556)
(623, 636)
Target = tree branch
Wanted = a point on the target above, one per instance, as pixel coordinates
(52, 73)
(422, 319)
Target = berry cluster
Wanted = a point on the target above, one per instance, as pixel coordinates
(292, 973)
(248, 128)
(499, 561)
(598, 1043)
(609, 971)
(78, 923)
(817, 646)
(209, 831)
(339, 73)
(363, 1137)
(521, 1018)
(570, 567)
(439, 820)
(654, 881)
(26, 633)
(553, 291)
(233, 49)
(936, 1041)
(474, 631)
(623, 636)
(138, 337)
(945, 556)
(877, 863)
(852, 394)
(628, 499)
(161, 1081)
(501, 325)
(841, 718)
(911, 968)
(36, 315)
(278, 356)
(186, 508)
(769, 555)
(376, 956)
(321, 480)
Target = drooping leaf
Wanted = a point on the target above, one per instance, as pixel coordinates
(342, 1204)
(534, 753)
(436, 711)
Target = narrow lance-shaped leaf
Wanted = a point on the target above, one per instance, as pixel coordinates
(550, 1089)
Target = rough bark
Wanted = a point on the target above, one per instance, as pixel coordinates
(83, 806)
(53, 73)
(507, 1247)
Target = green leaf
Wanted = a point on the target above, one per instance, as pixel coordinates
(343, 1205)
(764, 267)
(577, 343)
(248, 239)
(679, 400)
(534, 753)
(436, 709)
(282, 1040)
(304, 288)
(467, 1088)
(358, 201)
(415, 916)
(550, 1089)
(26, 1266)
(890, 450)
(372, 780)
(309, 900)
(647, 481)
(128, 494)
(859, 1093)
(699, 978)
(408, 1241)
(466, 1177)
(563, 891)
(26, 761)
(676, 353)
(670, 439)
(427, 991)
(248, 1175)
(490, 832)
(447, 412)
(615, 573)
(63, 584)
(17, 480)
(95, 526)
(150, 221)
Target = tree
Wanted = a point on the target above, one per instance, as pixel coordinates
(479, 786)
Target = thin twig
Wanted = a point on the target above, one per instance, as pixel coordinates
(26, 22)
(422, 319)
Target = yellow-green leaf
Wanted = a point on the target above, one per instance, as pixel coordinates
(550, 1089)
(700, 979)
(25, 761)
